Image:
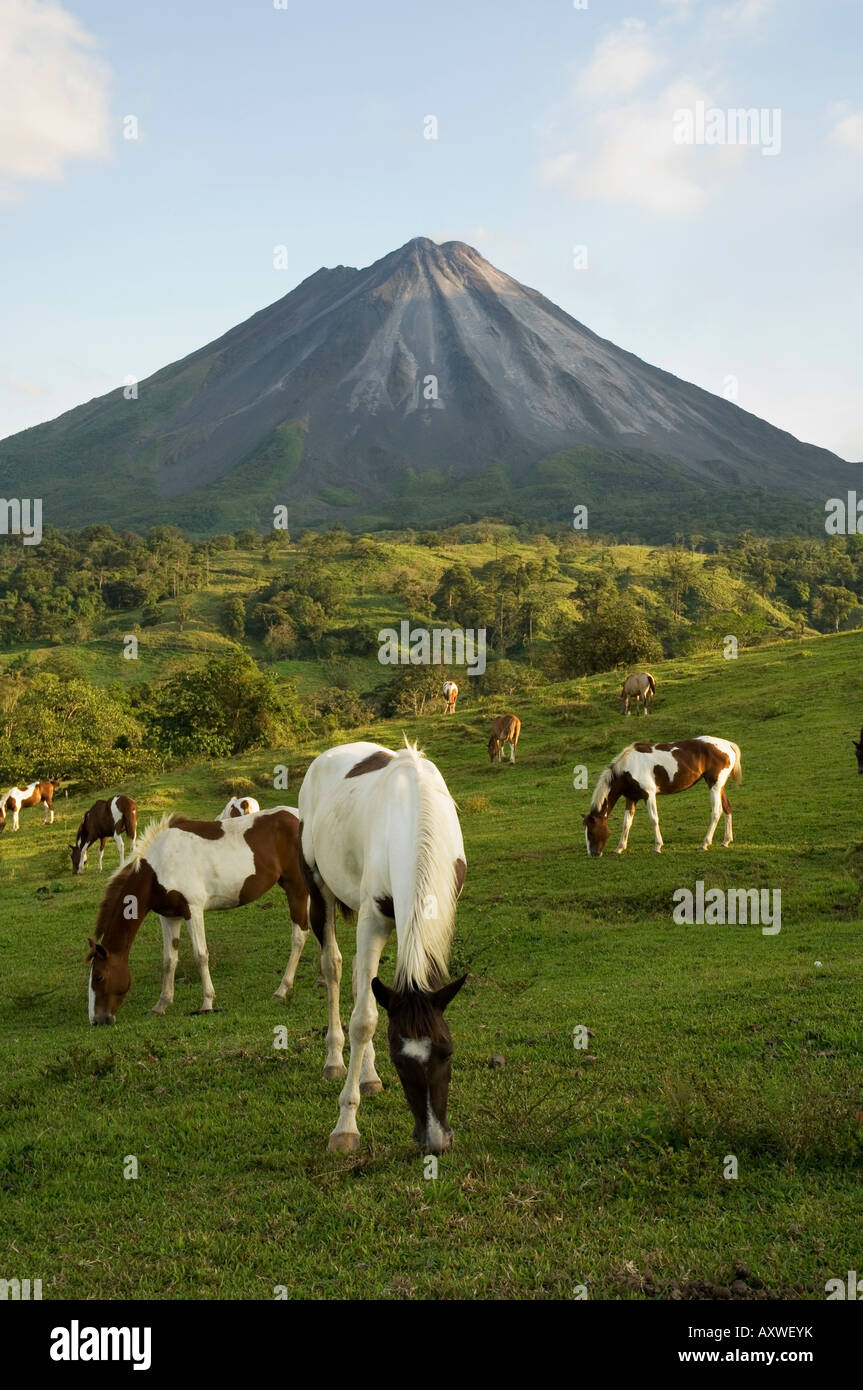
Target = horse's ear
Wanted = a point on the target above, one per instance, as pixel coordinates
(96, 949)
(382, 993)
(447, 993)
(586, 820)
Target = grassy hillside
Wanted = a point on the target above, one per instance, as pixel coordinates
(601, 1168)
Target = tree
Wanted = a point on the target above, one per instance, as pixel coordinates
(223, 707)
(616, 635)
(232, 617)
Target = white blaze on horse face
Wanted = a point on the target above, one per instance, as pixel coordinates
(436, 1135)
(417, 1048)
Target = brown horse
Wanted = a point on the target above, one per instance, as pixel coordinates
(505, 729)
(117, 817)
(641, 688)
(450, 691)
(182, 867)
(32, 795)
(644, 771)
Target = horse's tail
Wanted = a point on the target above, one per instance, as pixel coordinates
(651, 683)
(737, 767)
(424, 942)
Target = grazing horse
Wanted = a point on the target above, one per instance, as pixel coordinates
(117, 817)
(37, 792)
(450, 691)
(641, 689)
(859, 749)
(644, 771)
(505, 729)
(180, 868)
(240, 806)
(380, 836)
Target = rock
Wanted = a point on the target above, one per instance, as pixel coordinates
(496, 1061)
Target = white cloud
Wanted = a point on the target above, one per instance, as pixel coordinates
(621, 63)
(848, 132)
(635, 159)
(55, 93)
(740, 17)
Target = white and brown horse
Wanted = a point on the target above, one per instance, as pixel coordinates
(32, 795)
(240, 806)
(505, 729)
(380, 836)
(641, 688)
(644, 771)
(182, 868)
(117, 817)
(450, 691)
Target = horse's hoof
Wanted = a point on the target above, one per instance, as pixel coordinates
(282, 998)
(197, 1012)
(343, 1143)
(370, 1088)
(335, 1073)
(156, 1013)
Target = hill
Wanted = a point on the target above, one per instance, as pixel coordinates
(605, 1168)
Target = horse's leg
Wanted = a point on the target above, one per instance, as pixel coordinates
(715, 813)
(654, 821)
(118, 841)
(170, 950)
(627, 826)
(50, 809)
(372, 933)
(331, 965)
(370, 1082)
(298, 903)
(511, 751)
(102, 844)
(726, 809)
(15, 818)
(202, 958)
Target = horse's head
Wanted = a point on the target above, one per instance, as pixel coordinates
(79, 857)
(421, 1051)
(858, 748)
(492, 748)
(596, 832)
(109, 982)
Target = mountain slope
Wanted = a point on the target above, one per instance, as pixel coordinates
(429, 359)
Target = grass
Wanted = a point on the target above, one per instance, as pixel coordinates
(600, 1166)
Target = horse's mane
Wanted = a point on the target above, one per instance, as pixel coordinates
(603, 787)
(145, 840)
(424, 945)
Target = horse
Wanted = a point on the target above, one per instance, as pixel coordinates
(239, 806)
(380, 836)
(640, 688)
(859, 749)
(180, 868)
(450, 691)
(116, 817)
(505, 729)
(36, 792)
(644, 771)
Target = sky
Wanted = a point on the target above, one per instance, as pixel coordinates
(166, 170)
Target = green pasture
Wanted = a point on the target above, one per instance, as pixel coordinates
(601, 1167)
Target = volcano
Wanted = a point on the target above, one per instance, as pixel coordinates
(360, 382)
